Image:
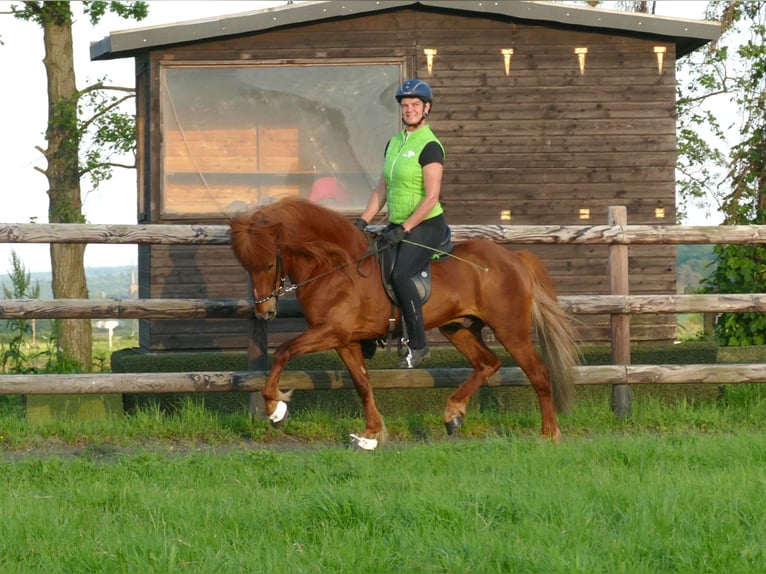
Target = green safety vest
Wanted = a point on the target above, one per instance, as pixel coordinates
(404, 174)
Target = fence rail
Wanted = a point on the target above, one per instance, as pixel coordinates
(243, 308)
(179, 234)
(207, 382)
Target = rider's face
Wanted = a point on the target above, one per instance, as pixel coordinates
(413, 111)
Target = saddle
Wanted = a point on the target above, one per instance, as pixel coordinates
(421, 279)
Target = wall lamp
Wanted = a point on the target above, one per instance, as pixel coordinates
(507, 55)
(581, 53)
(660, 51)
(430, 53)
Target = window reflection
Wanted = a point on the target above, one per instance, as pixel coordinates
(235, 136)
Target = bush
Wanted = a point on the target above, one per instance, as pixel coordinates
(400, 401)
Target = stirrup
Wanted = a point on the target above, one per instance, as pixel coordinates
(414, 357)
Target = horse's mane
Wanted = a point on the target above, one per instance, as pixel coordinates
(309, 229)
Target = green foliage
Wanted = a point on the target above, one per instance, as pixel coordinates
(390, 401)
(15, 357)
(128, 10)
(22, 353)
(741, 269)
(735, 68)
(58, 12)
(109, 131)
(137, 361)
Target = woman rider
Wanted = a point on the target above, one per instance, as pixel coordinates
(411, 185)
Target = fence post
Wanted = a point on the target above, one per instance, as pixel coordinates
(622, 395)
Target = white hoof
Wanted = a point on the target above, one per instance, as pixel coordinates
(279, 413)
(364, 443)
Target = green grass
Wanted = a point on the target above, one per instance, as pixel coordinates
(677, 487)
(605, 503)
(183, 486)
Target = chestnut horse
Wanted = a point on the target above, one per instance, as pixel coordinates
(340, 289)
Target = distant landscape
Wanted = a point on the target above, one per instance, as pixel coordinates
(103, 283)
(693, 264)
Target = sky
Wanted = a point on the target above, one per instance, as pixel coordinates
(23, 116)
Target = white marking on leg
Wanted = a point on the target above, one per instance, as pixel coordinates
(364, 442)
(279, 413)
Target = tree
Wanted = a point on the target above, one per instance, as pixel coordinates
(642, 6)
(111, 132)
(733, 174)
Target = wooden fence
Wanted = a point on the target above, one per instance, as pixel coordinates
(620, 305)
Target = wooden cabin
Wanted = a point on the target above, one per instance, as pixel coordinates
(549, 114)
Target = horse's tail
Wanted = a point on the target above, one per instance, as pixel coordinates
(555, 333)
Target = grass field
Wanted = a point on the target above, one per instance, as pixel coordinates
(633, 504)
(678, 487)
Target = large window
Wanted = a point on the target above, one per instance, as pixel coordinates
(236, 135)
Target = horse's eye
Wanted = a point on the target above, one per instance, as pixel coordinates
(269, 267)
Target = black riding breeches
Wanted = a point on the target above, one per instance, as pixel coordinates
(412, 259)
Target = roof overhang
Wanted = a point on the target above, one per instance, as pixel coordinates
(688, 35)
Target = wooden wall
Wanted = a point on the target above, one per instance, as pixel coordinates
(539, 144)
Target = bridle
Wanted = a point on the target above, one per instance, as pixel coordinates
(280, 278)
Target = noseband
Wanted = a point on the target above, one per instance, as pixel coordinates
(280, 278)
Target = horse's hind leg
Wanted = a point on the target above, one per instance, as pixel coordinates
(375, 433)
(523, 351)
(468, 340)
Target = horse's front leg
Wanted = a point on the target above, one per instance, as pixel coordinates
(375, 433)
(275, 401)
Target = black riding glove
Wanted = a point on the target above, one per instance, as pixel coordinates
(361, 223)
(393, 235)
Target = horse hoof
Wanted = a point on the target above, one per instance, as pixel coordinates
(279, 416)
(364, 443)
(454, 425)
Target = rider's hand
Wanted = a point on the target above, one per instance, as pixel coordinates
(393, 235)
(361, 223)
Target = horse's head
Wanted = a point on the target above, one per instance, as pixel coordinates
(296, 237)
(254, 242)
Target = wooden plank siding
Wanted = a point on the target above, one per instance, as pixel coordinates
(543, 142)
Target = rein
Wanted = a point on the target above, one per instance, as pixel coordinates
(279, 282)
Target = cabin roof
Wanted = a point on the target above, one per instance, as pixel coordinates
(687, 35)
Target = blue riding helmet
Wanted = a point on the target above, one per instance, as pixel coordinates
(415, 89)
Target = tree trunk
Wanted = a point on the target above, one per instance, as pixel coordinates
(65, 204)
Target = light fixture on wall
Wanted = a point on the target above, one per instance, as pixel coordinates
(660, 51)
(659, 213)
(430, 53)
(507, 55)
(584, 213)
(505, 215)
(581, 53)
